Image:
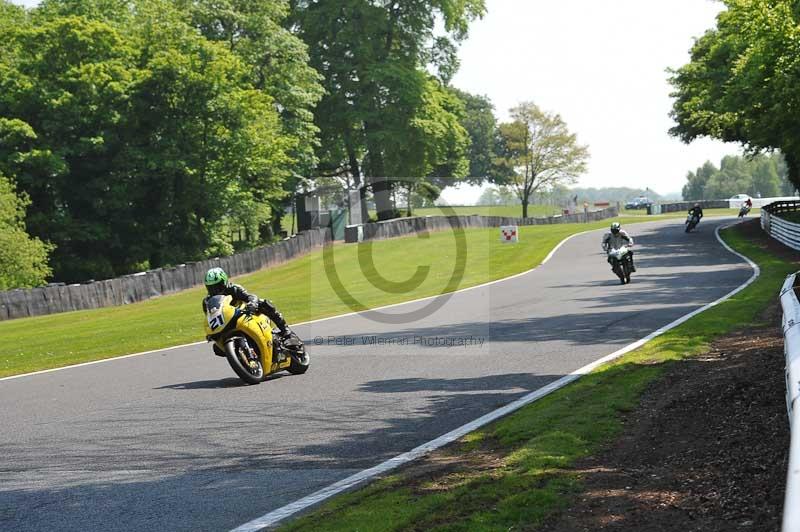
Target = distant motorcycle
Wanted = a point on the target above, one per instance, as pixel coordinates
(620, 260)
(691, 221)
(744, 211)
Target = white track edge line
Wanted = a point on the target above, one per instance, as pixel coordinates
(282, 513)
(72, 366)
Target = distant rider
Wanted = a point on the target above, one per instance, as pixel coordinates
(696, 211)
(748, 203)
(618, 238)
(217, 283)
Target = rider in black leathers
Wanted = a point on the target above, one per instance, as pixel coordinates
(217, 283)
(697, 210)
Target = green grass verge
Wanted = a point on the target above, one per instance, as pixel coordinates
(299, 288)
(533, 448)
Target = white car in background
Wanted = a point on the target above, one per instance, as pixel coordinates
(736, 201)
(739, 197)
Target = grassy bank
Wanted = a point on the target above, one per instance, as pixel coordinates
(299, 288)
(512, 474)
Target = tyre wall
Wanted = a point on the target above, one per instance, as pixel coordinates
(127, 289)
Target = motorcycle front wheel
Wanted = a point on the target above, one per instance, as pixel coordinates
(617, 269)
(300, 362)
(236, 351)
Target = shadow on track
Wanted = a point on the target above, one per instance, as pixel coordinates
(231, 382)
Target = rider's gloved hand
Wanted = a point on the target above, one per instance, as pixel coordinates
(251, 308)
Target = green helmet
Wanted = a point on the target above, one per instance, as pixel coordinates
(615, 227)
(216, 281)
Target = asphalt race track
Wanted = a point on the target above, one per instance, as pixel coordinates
(172, 441)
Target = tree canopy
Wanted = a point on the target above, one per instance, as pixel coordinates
(537, 150)
(139, 140)
(760, 176)
(383, 114)
(743, 81)
(136, 134)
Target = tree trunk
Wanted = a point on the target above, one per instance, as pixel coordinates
(793, 168)
(382, 191)
(381, 187)
(525, 207)
(355, 171)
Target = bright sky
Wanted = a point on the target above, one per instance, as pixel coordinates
(601, 64)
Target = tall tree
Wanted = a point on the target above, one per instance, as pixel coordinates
(537, 150)
(138, 140)
(761, 175)
(743, 81)
(254, 30)
(694, 189)
(733, 177)
(481, 124)
(372, 55)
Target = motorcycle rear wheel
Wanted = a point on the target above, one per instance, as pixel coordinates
(239, 362)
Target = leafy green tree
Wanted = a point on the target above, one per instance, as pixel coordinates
(732, 178)
(254, 30)
(537, 150)
(11, 15)
(138, 140)
(481, 124)
(766, 182)
(23, 260)
(61, 97)
(379, 99)
(787, 188)
(761, 175)
(495, 195)
(743, 81)
(696, 185)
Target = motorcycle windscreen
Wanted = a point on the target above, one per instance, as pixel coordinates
(214, 314)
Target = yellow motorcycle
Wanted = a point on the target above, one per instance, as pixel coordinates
(247, 341)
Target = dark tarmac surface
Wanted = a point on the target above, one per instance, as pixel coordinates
(172, 440)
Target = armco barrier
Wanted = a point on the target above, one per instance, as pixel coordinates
(145, 285)
(782, 230)
(408, 226)
(791, 349)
